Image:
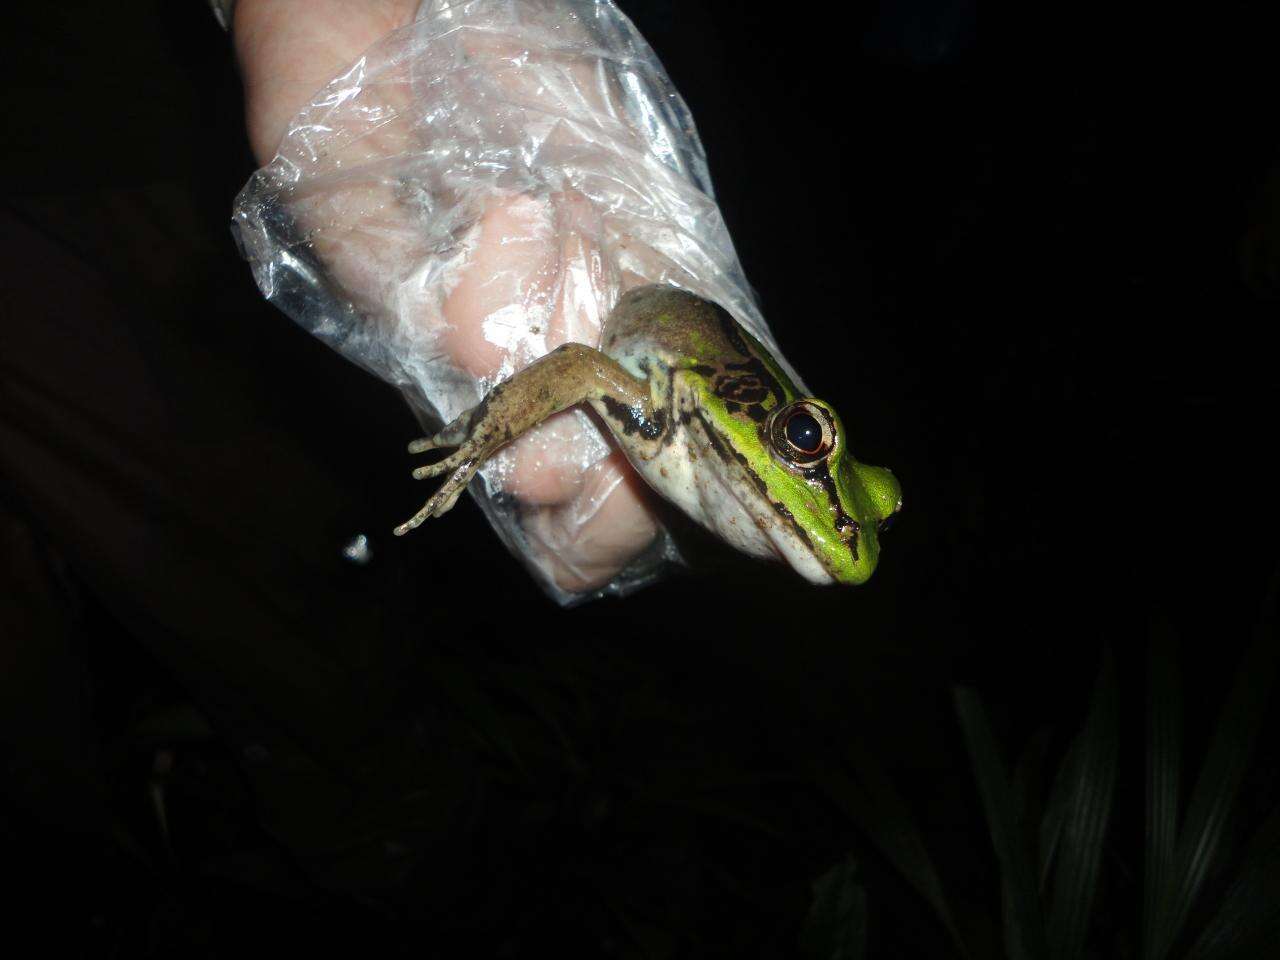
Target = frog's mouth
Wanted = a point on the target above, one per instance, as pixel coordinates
(797, 551)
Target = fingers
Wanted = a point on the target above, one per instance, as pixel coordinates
(584, 543)
(288, 49)
(498, 307)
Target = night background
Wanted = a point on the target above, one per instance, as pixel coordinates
(1032, 255)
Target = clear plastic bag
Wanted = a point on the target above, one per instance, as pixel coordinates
(481, 186)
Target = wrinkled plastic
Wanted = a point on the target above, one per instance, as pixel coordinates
(480, 187)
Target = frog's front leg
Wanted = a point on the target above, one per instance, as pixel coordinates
(567, 376)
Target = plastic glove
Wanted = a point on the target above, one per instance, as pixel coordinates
(477, 187)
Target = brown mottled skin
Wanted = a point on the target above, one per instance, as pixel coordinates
(690, 326)
(571, 374)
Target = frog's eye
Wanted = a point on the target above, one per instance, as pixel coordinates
(803, 433)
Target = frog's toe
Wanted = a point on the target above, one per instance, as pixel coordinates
(451, 435)
(443, 466)
(432, 470)
(435, 442)
(446, 502)
(443, 500)
(411, 524)
(432, 508)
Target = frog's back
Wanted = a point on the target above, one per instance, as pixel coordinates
(675, 327)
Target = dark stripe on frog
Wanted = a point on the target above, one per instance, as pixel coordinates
(741, 395)
(729, 455)
(745, 389)
(756, 381)
(822, 473)
(753, 410)
(631, 420)
(745, 393)
(480, 409)
(750, 382)
(752, 360)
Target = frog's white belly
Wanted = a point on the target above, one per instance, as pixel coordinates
(721, 497)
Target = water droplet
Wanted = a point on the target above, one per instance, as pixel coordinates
(357, 550)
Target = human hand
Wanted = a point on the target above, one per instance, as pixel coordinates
(533, 278)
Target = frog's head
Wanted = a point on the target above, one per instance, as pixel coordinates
(838, 506)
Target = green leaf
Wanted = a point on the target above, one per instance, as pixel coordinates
(1163, 787)
(1054, 822)
(836, 928)
(1220, 777)
(1024, 923)
(1250, 911)
(1089, 783)
(1014, 947)
(873, 804)
(1249, 914)
(1028, 799)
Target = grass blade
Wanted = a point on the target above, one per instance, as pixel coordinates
(1014, 947)
(1027, 774)
(1163, 786)
(1053, 823)
(1250, 910)
(1090, 779)
(1024, 922)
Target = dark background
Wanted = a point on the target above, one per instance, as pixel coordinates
(1033, 257)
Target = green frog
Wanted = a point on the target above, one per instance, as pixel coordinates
(710, 419)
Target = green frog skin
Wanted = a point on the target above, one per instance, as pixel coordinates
(713, 423)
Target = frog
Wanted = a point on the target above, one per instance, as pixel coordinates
(711, 420)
